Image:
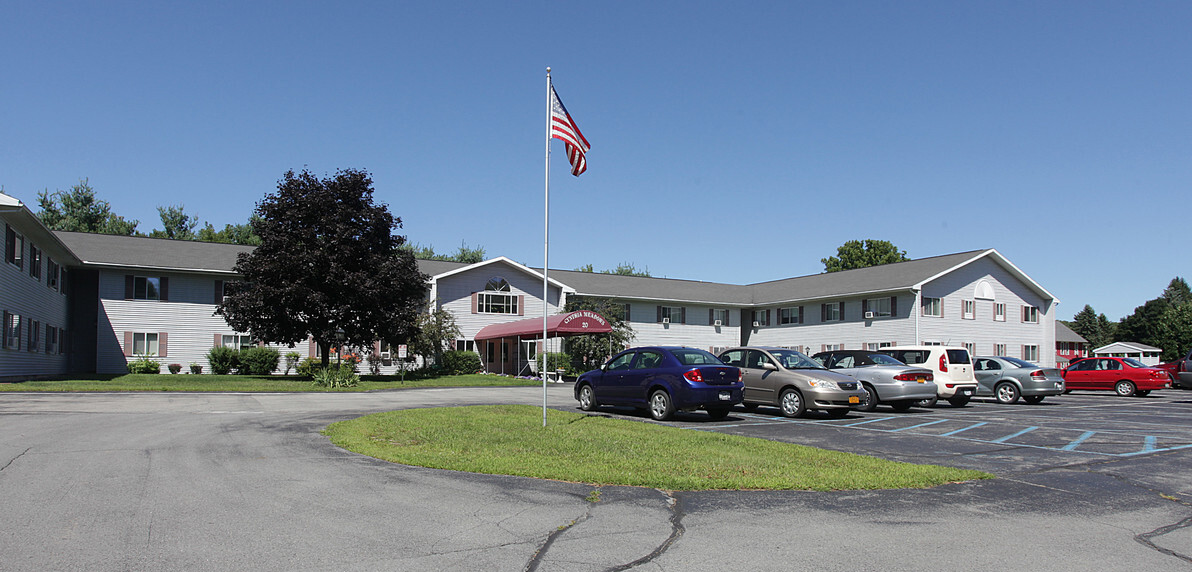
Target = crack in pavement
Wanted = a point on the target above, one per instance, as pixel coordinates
(1145, 538)
(10, 461)
(677, 530)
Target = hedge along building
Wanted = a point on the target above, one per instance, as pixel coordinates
(136, 295)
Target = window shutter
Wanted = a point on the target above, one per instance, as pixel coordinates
(823, 313)
(128, 286)
(893, 305)
(127, 343)
(683, 315)
(474, 302)
(218, 291)
(312, 348)
(659, 314)
(767, 317)
(4, 327)
(165, 288)
(521, 304)
(800, 314)
(864, 306)
(162, 344)
(218, 341)
(842, 311)
(10, 244)
(711, 316)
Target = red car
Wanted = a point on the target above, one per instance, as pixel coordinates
(1124, 375)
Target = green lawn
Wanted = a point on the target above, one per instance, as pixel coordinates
(248, 383)
(510, 440)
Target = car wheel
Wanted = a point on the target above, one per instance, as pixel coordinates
(587, 398)
(1124, 388)
(661, 407)
(869, 402)
(927, 402)
(902, 405)
(1006, 392)
(1142, 393)
(791, 403)
(718, 412)
(958, 400)
(1033, 399)
(749, 406)
(837, 413)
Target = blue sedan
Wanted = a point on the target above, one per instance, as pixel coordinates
(662, 380)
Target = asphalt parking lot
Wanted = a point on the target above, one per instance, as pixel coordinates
(245, 481)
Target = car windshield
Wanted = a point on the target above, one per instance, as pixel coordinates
(1134, 363)
(791, 359)
(1019, 363)
(883, 359)
(958, 356)
(690, 356)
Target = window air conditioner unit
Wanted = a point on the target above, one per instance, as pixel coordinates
(868, 315)
(757, 324)
(385, 355)
(717, 323)
(666, 320)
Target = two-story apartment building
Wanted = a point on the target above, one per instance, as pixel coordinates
(132, 296)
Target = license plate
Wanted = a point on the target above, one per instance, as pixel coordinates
(854, 399)
(966, 392)
(921, 379)
(726, 396)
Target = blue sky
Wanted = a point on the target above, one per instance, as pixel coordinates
(731, 142)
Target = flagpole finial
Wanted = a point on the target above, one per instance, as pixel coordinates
(547, 69)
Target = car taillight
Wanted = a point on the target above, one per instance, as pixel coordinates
(740, 375)
(914, 377)
(694, 375)
(1037, 375)
(943, 363)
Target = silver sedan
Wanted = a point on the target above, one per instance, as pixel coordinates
(1007, 379)
(885, 379)
(792, 382)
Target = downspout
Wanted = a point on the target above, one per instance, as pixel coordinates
(918, 304)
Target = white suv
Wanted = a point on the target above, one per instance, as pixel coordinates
(952, 366)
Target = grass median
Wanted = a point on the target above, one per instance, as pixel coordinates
(248, 383)
(510, 440)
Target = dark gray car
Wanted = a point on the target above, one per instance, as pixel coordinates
(885, 379)
(1007, 379)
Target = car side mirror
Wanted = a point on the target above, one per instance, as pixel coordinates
(604, 367)
(770, 366)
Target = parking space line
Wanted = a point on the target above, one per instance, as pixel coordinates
(1148, 443)
(1072, 446)
(917, 426)
(1145, 451)
(866, 421)
(1008, 437)
(973, 426)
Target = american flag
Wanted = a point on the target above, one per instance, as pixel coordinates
(564, 128)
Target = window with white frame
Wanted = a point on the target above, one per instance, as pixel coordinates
(933, 343)
(832, 347)
(879, 307)
(968, 309)
(51, 339)
(720, 316)
(146, 288)
(35, 262)
(999, 349)
(761, 317)
(625, 313)
(237, 341)
(144, 343)
(496, 298)
(14, 247)
(12, 331)
(1030, 314)
(830, 312)
(52, 272)
(671, 314)
(793, 315)
(999, 313)
(971, 347)
(872, 346)
(1030, 353)
(933, 307)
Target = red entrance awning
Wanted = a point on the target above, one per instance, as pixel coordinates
(560, 325)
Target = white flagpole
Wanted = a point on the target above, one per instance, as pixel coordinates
(546, 247)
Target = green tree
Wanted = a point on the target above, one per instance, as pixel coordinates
(79, 210)
(231, 234)
(622, 269)
(1097, 329)
(437, 333)
(1174, 331)
(590, 350)
(857, 254)
(329, 266)
(1177, 292)
(175, 223)
(464, 254)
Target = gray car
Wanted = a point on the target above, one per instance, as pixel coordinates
(792, 382)
(884, 379)
(1007, 379)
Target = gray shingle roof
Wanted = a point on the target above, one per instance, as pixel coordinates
(1065, 334)
(156, 253)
